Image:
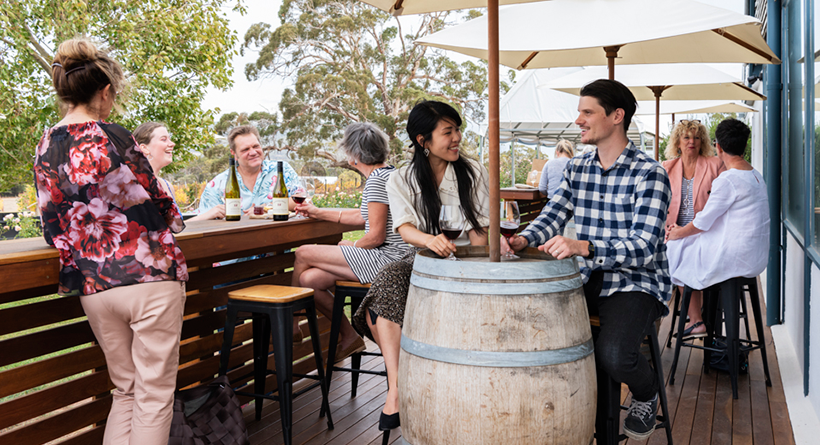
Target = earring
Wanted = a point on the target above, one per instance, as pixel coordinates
(426, 152)
(150, 157)
(355, 162)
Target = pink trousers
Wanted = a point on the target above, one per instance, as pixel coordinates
(138, 328)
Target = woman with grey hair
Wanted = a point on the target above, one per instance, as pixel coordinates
(320, 266)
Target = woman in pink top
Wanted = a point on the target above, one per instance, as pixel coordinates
(691, 166)
(103, 209)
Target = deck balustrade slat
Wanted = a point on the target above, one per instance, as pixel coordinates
(207, 277)
(54, 398)
(28, 316)
(92, 435)
(49, 370)
(66, 422)
(44, 342)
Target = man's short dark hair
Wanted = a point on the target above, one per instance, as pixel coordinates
(612, 95)
(732, 135)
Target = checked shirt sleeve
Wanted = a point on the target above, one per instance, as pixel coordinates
(652, 196)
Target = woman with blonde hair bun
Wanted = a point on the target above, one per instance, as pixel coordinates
(103, 209)
(554, 169)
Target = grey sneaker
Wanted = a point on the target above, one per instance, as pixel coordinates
(640, 419)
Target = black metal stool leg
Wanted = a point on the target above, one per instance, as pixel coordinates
(317, 355)
(675, 310)
(283, 355)
(261, 345)
(227, 340)
(655, 352)
(755, 298)
(729, 297)
(335, 326)
(684, 309)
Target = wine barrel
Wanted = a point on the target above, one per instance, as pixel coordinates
(496, 353)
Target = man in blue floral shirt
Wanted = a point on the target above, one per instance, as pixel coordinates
(619, 197)
(256, 175)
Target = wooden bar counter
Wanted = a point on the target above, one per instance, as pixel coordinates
(54, 383)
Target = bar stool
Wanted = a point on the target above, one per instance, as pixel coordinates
(356, 291)
(275, 306)
(676, 310)
(727, 298)
(608, 418)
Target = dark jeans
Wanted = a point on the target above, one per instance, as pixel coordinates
(625, 318)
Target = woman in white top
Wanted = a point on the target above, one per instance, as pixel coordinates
(730, 236)
(553, 172)
(437, 175)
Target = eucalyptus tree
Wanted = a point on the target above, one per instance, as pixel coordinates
(170, 50)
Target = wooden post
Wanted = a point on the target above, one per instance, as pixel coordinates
(495, 190)
(658, 90)
(611, 54)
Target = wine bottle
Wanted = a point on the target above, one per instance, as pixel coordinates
(280, 195)
(233, 198)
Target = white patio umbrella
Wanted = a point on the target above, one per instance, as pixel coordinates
(673, 107)
(407, 7)
(679, 81)
(595, 32)
(403, 7)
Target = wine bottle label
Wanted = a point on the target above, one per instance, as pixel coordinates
(280, 206)
(233, 207)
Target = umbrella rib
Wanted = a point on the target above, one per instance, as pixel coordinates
(527, 60)
(721, 32)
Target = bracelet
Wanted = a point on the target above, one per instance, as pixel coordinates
(340, 217)
(354, 243)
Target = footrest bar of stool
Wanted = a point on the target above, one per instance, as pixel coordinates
(360, 371)
(252, 394)
(305, 389)
(373, 354)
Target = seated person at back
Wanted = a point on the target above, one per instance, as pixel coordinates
(730, 237)
(255, 174)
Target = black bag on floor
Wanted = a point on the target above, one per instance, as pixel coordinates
(208, 415)
(720, 360)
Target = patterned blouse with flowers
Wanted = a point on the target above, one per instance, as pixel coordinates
(102, 208)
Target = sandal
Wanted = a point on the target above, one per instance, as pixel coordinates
(688, 331)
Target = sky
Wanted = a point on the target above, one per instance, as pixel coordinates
(265, 94)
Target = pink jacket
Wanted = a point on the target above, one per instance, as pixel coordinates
(707, 170)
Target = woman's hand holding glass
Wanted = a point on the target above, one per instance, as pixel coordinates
(441, 245)
(307, 210)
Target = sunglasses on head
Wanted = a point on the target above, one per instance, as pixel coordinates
(686, 121)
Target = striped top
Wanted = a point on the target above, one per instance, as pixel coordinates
(687, 202)
(365, 263)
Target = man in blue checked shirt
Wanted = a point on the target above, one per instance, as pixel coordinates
(619, 197)
(255, 174)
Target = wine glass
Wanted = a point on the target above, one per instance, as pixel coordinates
(300, 195)
(451, 223)
(510, 221)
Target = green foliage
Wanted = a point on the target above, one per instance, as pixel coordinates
(339, 200)
(523, 162)
(170, 50)
(350, 62)
(26, 224)
(712, 122)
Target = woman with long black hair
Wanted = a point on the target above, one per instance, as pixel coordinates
(437, 175)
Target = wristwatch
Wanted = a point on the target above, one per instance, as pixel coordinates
(591, 248)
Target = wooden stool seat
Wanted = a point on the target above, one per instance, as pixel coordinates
(352, 284)
(269, 293)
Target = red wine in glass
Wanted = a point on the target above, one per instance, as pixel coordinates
(508, 229)
(298, 199)
(451, 234)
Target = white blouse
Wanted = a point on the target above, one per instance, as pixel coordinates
(402, 194)
(735, 241)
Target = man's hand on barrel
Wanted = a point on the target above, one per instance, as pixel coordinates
(516, 243)
(561, 247)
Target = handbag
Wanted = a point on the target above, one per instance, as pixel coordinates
(208, 415)
(720, 359)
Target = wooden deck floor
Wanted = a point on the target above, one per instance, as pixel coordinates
(700, 405)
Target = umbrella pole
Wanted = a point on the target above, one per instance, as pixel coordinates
(611, 54)
(658, 91)
(495, 191)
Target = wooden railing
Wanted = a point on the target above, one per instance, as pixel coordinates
(530, 203)
(54, 384)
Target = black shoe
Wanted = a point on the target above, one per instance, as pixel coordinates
(688, 331)
(640, 419)
(390, 422)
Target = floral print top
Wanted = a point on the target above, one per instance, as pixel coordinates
(103, 209)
